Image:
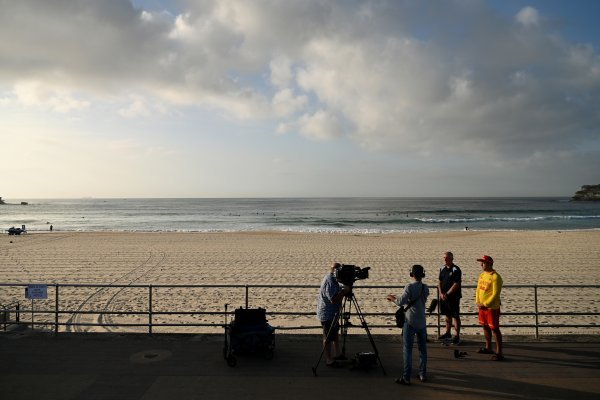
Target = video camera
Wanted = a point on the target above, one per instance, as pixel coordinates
(348, 274)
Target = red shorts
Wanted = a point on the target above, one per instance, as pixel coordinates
(490, 317)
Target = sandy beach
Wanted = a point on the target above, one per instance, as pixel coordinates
(270, 258)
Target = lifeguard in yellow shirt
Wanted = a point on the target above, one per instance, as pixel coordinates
(487, 297)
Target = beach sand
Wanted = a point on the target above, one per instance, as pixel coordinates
(273, 258)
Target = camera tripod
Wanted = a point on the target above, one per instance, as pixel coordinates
(343, 316)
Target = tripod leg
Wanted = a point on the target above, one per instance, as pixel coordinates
(314, 368)
(337, 316)
(363, 322)
(344, 321)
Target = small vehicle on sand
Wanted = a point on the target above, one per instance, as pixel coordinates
(16, 231)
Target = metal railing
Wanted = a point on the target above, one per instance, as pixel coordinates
(5, 314)
(70, 315)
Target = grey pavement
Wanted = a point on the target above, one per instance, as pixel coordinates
(111, 366)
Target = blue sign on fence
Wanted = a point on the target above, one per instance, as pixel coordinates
(36, 291)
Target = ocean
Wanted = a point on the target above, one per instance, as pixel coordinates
(332, 215)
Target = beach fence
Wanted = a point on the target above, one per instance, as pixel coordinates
(142, 308)
(9, 314)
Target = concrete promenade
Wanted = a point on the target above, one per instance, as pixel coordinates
(111, 366)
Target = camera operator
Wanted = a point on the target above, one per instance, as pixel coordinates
(415, 294)
(328, 304)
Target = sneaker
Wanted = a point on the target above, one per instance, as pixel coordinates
(445, 336)
(401, 381)
(456, 340)
(422, 378)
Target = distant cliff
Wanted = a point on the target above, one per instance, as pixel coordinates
(2, 201)
(587, 193)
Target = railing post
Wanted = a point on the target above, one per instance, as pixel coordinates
(535, 298)
(439, 307)
(32, 314)
(246, 296)
(150, 310)
(56, 310)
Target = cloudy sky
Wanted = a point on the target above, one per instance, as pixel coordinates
(279, 98)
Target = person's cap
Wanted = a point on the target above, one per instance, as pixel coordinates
(486, 259)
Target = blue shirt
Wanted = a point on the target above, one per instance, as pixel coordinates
(326, 309)
(415, 315)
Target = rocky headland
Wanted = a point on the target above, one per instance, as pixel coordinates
(587, 193)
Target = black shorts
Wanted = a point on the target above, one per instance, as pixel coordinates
(330, 329)
(450, 307)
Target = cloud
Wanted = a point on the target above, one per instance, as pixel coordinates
(142, 106)
(286, 103)
(321, 125)
(281, 72)
(397, 76)
(40, 94)
(528, 16)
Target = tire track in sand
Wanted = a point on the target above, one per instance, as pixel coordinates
(89, 307)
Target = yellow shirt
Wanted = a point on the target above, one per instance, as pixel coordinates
(489, 286)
